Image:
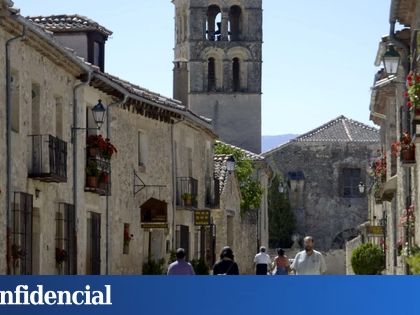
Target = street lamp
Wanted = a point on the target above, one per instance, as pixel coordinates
(361, 188)
(281, 187)
(98, 112)
(391, 60)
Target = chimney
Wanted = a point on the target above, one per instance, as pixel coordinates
(86, 37)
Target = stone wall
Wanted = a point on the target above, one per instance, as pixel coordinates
(350, 247)
(317, 200)
(30, 68)
(236, 114)
(239, 231)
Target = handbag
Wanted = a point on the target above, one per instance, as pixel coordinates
(227, 271)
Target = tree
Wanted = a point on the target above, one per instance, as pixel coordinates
(282, 222)
(251, 190)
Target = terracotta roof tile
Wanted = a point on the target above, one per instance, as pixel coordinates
(68, 23)
(220, 169)
(341, 129)
(248, 154)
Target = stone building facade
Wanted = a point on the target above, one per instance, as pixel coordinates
(323, 169)
(60, 221)
(394, 199)
(217, 65)
(244, 232)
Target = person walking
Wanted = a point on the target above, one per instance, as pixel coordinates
(309, 261)
(281, 263)
(262, 261)
(180, 266)
(226, 265)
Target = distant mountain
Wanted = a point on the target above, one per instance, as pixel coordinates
(270, 142)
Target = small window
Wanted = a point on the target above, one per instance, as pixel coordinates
(234, 23)
(15, 102)
(214, 18)
(190, 162)
(127, 239)
(141, 149)
(59, 117)
(211, 75)
(351, 180)
(96, 53)
(36, 108)
(236, 73)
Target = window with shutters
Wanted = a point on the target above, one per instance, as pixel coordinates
(351, 180)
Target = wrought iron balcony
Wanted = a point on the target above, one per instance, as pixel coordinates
(48, 158)
(186, 192)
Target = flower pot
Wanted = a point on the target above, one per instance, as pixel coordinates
(92, 181)
(188, 202)
(408, 155)
(103, 186)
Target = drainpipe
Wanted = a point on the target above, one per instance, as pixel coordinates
(406, 66)
(108, 135)
(173, 157)
(9, 143)
(75, 143)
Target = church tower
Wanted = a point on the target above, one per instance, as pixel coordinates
(217, 65)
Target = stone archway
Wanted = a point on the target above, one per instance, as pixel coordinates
(340, 239)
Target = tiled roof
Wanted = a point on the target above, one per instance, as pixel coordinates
(248, 154)
(44, 24)
(152, 96)
(220, 169)
(341, 129)
(68, 23)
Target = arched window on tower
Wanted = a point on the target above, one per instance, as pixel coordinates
(214, 23)
(235, 24)
(211, 75)
(236, 74)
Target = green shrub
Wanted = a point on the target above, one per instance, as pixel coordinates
(154, 267)
(200, 267)
(413, 260)
(368, 259)
(414, 263)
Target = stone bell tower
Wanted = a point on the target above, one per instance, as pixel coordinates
(217, 65)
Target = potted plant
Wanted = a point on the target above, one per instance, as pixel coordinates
(368, 259)
(188, 198)
(104, 180)
(127, 237)
(93, 144)
(60, 256)
(413, 93)
(200, 267)
(406, 148)
(17, 253)
(107, 149)
(92, 173)
(379, 169)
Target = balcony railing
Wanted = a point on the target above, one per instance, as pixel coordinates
(186, 192)
(48, 158)
(98, 176)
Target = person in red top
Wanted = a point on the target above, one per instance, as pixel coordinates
(281, 262)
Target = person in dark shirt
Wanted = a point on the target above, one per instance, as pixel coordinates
(226, 265)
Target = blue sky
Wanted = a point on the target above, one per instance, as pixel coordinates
(317, 55)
